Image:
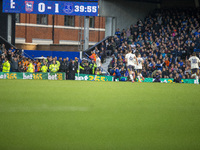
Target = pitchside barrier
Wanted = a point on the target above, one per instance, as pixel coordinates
(169, 80)
(86, 77)
(32, 76)
(82, 77)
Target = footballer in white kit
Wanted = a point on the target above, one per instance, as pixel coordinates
(98, 62)
(139, 68)
(130, 60)
(194, 61)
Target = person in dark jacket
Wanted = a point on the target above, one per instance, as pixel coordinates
(14, 64)
(177, 78)
(157, 77)
(63, 65)
(50, 61)
(179, 53)
(72, 70)
(164, 73)
(109, 49)
(21, 68)
(86, 68)
(1, 62)
(67, 67)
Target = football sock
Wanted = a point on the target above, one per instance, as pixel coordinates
(197, 78)
(138, 78)
(131, 77)
(193, 75)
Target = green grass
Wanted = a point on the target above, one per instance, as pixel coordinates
(78, 115)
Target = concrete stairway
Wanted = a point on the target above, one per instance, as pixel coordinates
(105, 65)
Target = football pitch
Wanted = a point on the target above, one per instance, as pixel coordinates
(79, 115)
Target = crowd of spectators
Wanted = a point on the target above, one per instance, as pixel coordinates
(18, 63)
(165, 39)
(12, 55)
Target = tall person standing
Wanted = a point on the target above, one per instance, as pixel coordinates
(98, 62)
(130, 59)
(194, 61)
(139, 68)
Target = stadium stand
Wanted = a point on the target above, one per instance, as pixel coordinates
(20, 61)
(165, 39)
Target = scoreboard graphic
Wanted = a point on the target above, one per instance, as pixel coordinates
(73, 8)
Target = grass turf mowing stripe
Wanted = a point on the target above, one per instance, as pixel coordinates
(118, 115)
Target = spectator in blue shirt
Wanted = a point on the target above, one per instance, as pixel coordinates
(118, 33)
(163, 54)
(117, 73)
(159, 65)
(181, 62)
(122, 72)
(12, 49)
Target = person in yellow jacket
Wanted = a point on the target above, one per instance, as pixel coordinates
(30, 66)
(6, 66)
(81, 69)
(44, 68)
(53, 67)
(57, 62)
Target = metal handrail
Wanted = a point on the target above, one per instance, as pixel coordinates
(89, 59)
(87, 51)
(7, 43)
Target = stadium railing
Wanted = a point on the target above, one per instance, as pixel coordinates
(88, 51)
(7, 44)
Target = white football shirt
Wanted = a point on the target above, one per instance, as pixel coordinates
(130, 59)
(139, 66)
(194, 62)
(98, 62)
